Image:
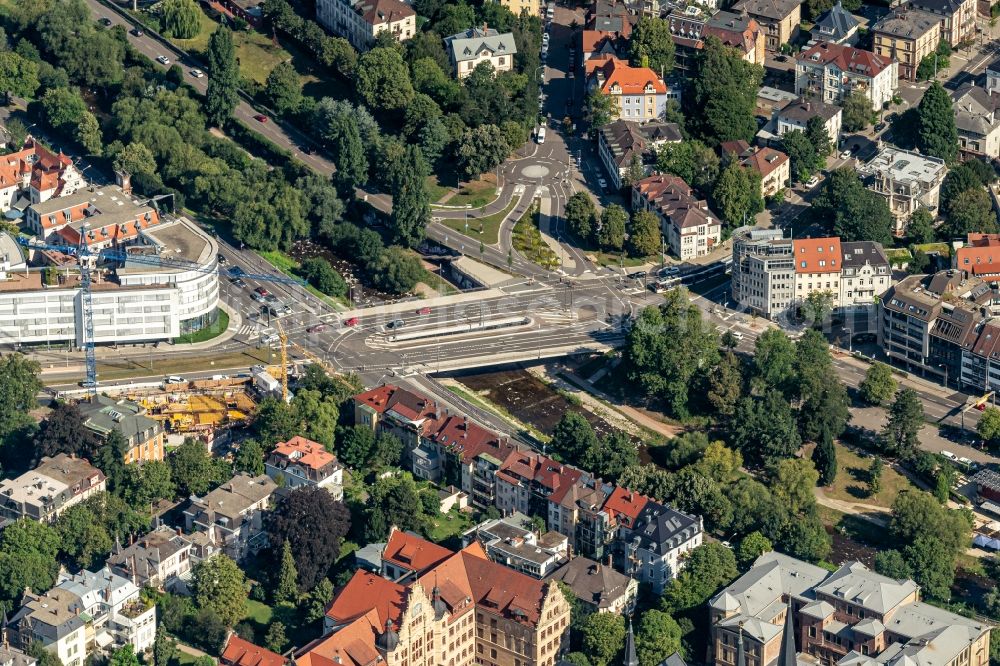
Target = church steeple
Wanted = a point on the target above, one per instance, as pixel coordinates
(630, 657)
(786, 656)
(741, 657)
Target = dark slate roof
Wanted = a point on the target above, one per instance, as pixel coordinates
(835, 23)
(855, 254)
(661, 528)
(944, 7)
(770, 9)
(673, 660)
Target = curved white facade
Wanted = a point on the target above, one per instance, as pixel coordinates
(137, 303)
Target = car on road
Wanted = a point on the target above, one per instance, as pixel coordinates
(106, 22)
(637, 275)
(669, 270)
(222, 260)
(197, 73)
(270, 298)
(260, 294)
(424, 311)
(163, 60)
(174, 379)
(318, 328)
(603, 184)
(879, 127)
(353, 321)
(845, 155)
(137, 32)
(237, 282)
(812, 182)
(540, 137)
(738, 336)
(395, 325)
(260, 117)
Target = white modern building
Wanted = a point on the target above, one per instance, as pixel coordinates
(303, 462)
(908, 181)
(138, 300)
(832, 72)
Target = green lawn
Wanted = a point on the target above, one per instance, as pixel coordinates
(207, 333)
(489, 225)
(476, 194)
(448, 525)
(258, 612)
(199, 43)
(851, 484)
(281, 261)
(939, 248)
(435, 190)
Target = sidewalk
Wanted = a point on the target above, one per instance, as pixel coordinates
(545, 227)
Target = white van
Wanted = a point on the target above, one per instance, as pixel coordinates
(541, 135)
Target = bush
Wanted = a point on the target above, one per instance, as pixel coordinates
(322, 275)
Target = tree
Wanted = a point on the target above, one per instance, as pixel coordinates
(692, 160)
(321, 274)
(342, 132)
(18, 75)
(644, 237)
(652, 46)
(275, 639)
(581, 215)
(933, 566)
(317, 600)
(63, 108)
(854, 212)
(875, 477)
(725, 384)
(286, 591)
(194, 470)
(891, 563)
(906, 418)
(135, 158)
(723, 94)
(481, 149)
(611, 234)
(124, 656)
(223, 83)
(164, 648)
(314, 526)
(774, 362)
(801, 154)
(396, 271)
(88, 134)
(600, 109)
(275, 421)
(824, 457)
(573, 437)
(282, 90)
(936, 132)
(878, 386)
(764, 428)
(817, 307)
(751, 547)
(820, 138)
(383, 80)
(858, 112)
(669, 348)
(355, 446)
(181, 18)
(971, 211)
(989, 425)
(83, 538)
(794, 485)
(737, 194)
(710, 567)
(28, 552)
(411, 209)
(920, 228)
(603, 635)
(64, 432)
(658, 637)
(220, 586)
(962, 178)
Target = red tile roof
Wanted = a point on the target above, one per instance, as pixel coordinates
(597, 40)
(531, 467)
(810, 252)
(367, 592)
(466, 438)
(618, 73)
(675, 200)
(239, 652)
(100, 234)
(378, 12)
(45, 167)
(625, 505)
(847, 58)
(305, 452)
(980, 255)
(409, 405)
(352, 645)
(411, 552)
(765, 160)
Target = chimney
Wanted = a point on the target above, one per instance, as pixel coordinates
(124, 181)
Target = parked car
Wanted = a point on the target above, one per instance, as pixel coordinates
(174, 379)
(318, 328)
(260, 117)
(260, 291)
(845, 155)
(197, 73)
(812, 182)
(163, 60)
(669, 270)
(603, 184)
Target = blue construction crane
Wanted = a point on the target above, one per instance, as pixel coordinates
(88, 259)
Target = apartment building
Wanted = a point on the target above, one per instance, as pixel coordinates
(144, 436)
(598, 587)
(639, 93)
(99, 217)
(817, 267)
(957, 18)
(763, 273)
(979, 255)
(233, 514)
(772, 165)
(475, 45)
(139, 300)
(161, 559)
(835, 26)
(908, 181)
(303, 462)
(689, 227)
(407, 556)
(689, 30)
(654, 544)
(595, 43)
(510, 541)
(361, 21)
(784, 611)
(56, 484)
(778, 18)
(84, 615)
(623, 144)
(832, 72)
(977, 122)
(465, 610)
(906, 35)
(796, 115)
(579, 515)
(35, 174)
(865, 274)
(526, 481)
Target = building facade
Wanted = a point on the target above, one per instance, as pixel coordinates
(907, 180)
(906, 35)
(957, 18)
(690, 228)
(303, 462)
(628, 145)
(977, 122)
(778, 18)
(232, 515)
(361, 21)
(832, 72)
(796, 116)
(144, 437)
(638, 93)
(477, 45)
(160, 559)
(45, 492)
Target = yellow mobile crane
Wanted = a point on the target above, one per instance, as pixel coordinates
(283, 338)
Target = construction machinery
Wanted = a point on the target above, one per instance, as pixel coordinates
(283, 339)
(87, 260)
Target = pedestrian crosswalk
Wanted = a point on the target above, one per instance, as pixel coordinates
(247, 330)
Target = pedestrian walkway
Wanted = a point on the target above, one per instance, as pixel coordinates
(545, 227)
